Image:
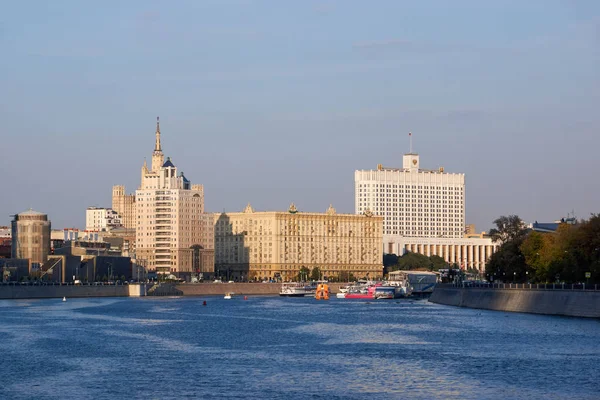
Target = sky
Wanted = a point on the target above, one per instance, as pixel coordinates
(273, 102)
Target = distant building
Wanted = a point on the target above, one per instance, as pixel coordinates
(465, 252)
(101, 219)
(414, 202)
(124, 205)
(548, 227)
(171, 222)
(423, 211)
(122, 239)
(31, 236)
(5, 232)
(272, 244)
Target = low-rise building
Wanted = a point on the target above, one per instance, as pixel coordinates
(467, 252)
(101, 219)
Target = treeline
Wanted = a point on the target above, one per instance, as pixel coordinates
(566, 255)
(315, 274)
(414, 261)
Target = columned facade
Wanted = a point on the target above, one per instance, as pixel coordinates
(466, 252)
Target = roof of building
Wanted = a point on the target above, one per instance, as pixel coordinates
(186, 180)
(168, 163)
(31, 212)
(545, 226)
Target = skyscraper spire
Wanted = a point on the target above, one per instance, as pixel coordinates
(157, 145)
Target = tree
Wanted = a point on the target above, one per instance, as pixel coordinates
(315, 274)
(413, 261)
(507, 229)
(303, 274)
(437, 263)
(507, 263)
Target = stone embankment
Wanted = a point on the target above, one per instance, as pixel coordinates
(70, 291)
(264, 289)
(573, 303)
(134, 290)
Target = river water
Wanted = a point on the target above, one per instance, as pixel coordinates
(290, 348)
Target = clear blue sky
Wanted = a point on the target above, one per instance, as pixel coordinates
(270, 102)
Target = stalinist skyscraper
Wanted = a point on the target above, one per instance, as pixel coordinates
(173, 234)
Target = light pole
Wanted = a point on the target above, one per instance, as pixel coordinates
(514, 276)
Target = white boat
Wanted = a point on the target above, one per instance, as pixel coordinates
(341, 295)
(228, 296)
(297, 289)
(64, 299)
(399, 289)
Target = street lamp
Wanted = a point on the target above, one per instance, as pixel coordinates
(514, 276)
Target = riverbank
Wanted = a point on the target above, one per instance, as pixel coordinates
(71, 291)
(572, 303)
(135, 290)
(263, 289)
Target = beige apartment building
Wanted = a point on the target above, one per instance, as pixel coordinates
(264, 245)
(124, 205)
(173, 234)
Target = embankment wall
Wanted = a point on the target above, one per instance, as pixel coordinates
(264, 289)
(571, 303)
(42, 292)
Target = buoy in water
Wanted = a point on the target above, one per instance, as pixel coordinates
(245, 297)
(204, 303)
(64, 299)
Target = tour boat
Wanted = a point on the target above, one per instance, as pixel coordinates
(297, 289)
(228, 296)
(361, 292)
(393, 290)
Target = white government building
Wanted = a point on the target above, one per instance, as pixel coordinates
(423, 210)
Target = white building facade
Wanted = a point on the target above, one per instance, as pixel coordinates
(101, 219)
(413, 201)
(423, 211)
(170, 219)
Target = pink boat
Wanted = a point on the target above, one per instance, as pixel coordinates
(361, 292)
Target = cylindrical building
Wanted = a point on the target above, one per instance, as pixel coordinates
(31, 236)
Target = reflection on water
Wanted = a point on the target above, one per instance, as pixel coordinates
(281, 348)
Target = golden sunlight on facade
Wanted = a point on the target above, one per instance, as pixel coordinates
(264, 245)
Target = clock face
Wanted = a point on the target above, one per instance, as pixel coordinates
(414, 162)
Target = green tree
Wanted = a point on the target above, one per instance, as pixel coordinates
(411, 260)
(508, 229)
(437, 263)
(303, 274)
(315, 274)
(507, 264)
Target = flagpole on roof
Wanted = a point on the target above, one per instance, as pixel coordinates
(410, 141)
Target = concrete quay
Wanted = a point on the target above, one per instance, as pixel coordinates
(134, 290)
(71, 291)
(250, 289)
(572, 303)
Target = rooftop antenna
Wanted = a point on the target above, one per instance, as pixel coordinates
(410, 141)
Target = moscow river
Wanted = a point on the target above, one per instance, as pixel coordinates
(290, 348)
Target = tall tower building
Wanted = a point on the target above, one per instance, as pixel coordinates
(31, 236)
(414, 202)
(171, 223)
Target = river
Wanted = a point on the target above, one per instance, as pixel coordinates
(290, 348)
